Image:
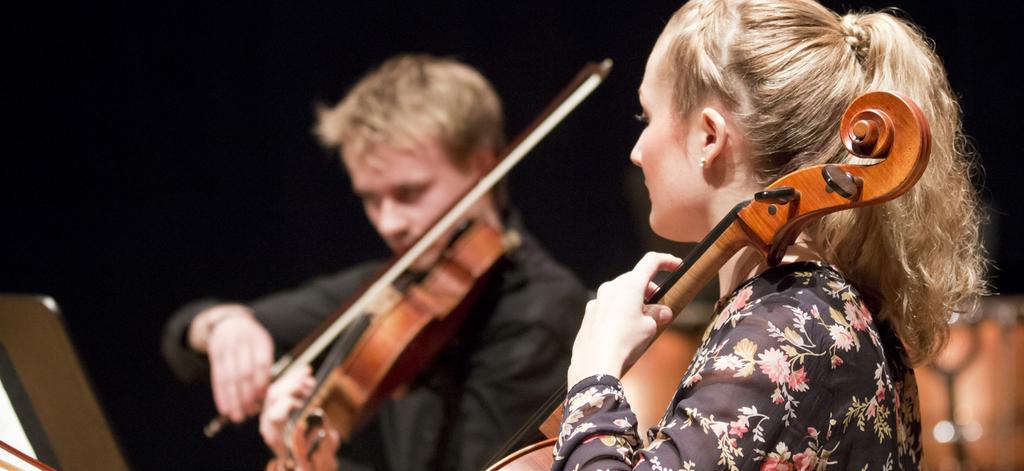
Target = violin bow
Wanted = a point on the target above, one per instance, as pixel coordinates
(381, 290)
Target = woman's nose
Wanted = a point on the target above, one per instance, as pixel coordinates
(636, 156)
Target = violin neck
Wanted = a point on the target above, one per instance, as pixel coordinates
(702, 264)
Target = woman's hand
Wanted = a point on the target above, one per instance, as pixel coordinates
(618, 326)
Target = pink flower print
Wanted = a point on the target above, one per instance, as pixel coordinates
(815, 313)
(872, 407)
(777, 397)
(692, 380)
(737, 429)
(622, 423)
(776, 464)
(836, 361)
(812, 432)
(854, 317)
(880, 394)
(719, 428)
(738, 302)
(805, 461)
(797, 380)
(842, 337)
(775, 364)
(865, 314)
(778, 459)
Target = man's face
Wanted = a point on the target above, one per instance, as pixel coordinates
(405, 190)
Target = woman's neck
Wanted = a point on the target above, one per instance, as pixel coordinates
(748, 263)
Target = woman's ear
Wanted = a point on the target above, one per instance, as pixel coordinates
(713, 134)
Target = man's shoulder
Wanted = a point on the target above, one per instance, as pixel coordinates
(536, 269)
(537, 289)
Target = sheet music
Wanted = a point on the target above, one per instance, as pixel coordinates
(11, 430)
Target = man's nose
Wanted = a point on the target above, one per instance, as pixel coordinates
(392, 222)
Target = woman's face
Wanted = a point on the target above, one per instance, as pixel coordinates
(669, 152)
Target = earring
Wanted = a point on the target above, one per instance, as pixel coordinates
(703, 160)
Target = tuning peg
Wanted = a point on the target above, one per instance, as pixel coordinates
(841, 182)
(780, 195)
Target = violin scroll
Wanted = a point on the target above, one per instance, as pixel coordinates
(868, 134)
(882, 126)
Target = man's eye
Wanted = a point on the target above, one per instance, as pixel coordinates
(370, 200)
(408, 194)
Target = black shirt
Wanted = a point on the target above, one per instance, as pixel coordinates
(510, 355)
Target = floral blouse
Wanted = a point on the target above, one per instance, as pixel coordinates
(793, 374)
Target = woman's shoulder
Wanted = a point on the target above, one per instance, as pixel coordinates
(803, 285)
(808, 304)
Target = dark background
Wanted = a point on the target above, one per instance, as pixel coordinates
(162, 153)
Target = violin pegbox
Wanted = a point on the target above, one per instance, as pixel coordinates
(777, 215)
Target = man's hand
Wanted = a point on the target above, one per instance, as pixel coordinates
(284, 396)
(241, 353)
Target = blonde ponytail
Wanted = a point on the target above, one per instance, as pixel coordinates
(788, 69)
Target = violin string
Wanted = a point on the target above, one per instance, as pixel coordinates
(532, 424)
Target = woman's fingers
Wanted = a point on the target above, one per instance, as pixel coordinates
(661, 314)
(617, 325)
(651, 288)
(650, 265)
(653, 262)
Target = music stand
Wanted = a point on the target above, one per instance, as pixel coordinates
(52, 400)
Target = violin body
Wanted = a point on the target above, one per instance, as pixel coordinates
(409, 324)
(407, 331)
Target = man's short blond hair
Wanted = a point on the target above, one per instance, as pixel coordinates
(412, 97)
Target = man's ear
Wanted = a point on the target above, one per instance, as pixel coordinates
(714, 135)
(481, 160)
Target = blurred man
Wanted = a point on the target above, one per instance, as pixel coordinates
(414, 135)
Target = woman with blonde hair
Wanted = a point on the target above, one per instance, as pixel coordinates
(807, 364)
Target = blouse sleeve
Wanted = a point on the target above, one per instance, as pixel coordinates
(740, 395)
